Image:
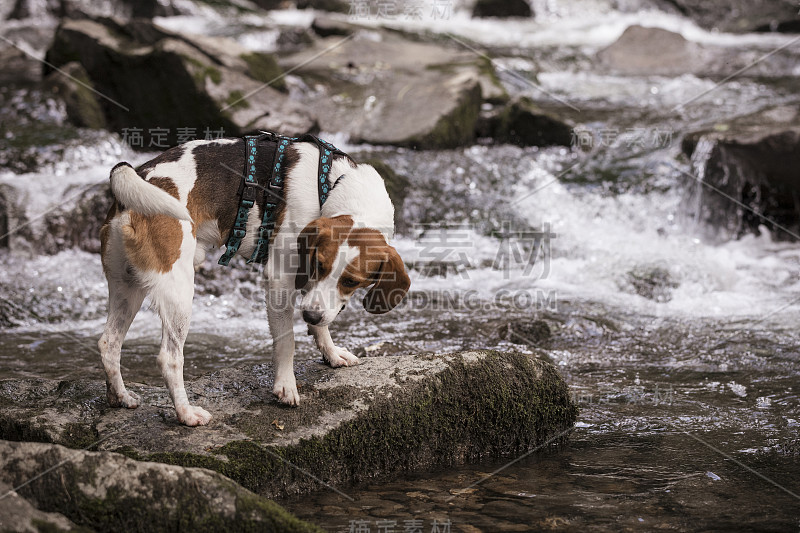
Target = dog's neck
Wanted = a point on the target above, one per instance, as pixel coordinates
(361, 193)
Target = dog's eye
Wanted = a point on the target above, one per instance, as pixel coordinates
(350, 283)
(319, 268)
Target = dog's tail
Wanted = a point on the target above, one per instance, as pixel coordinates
(143, 197)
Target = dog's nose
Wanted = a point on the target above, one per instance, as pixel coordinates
(312, 317)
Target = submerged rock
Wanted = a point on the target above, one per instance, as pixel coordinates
(106, 491)
(389, 415)
(746, 174)
(653, 282)
(152, 78)
(382, 88)
(526, 332)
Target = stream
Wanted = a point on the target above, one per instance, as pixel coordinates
(681, 351)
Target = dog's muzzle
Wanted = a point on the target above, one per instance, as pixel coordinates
(312, 317)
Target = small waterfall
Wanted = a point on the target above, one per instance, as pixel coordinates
(695, 191)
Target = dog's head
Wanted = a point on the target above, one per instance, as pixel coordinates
(336, 259)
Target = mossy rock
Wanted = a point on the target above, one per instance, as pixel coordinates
(397, 91)
(106, 491)
(151, 78)
(388, 416)
(264, 68)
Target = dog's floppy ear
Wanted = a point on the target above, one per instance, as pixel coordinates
(306, 242)
(391, 286)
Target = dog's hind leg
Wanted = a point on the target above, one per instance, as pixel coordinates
(172, 297)
(124, 300)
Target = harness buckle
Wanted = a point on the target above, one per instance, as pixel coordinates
(249, 193)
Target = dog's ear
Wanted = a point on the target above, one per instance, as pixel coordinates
(306, 242)
(391, 286)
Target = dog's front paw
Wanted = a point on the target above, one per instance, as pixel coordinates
(192, 415)
(340, 357)
(286, 391)
(127, 399)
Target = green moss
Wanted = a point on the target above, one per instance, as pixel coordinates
(236, 100)
(22, 431)
(202, 71)
(79, 436)
(264, 68)
(507, 403)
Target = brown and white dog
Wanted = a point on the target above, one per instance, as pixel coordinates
(170, 211)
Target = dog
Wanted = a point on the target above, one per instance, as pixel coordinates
(169, 212)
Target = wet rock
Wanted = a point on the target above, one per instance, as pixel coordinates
(653, 282)
(77, 224)
(33, 9)
(18, 67)
(523, 123)
(382, 88)
(335, 6)
(109, 492)
(750, 167)
(180, 82)
(737, 15)
(73, 86)
(389, 415)
(653, 51)
(327, 27)
(529, 332)
(17, 514)
(382, 349)
(502, 8)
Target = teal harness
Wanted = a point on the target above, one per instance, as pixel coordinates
(273, 192)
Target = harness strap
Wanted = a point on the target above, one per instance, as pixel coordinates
(273, 194)
(247, 192)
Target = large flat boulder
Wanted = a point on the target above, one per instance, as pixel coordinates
(750, 166)
(152, 78)
(104, 491)
(389, 415)
(383, 88)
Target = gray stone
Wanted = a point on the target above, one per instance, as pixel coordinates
(653, 282)
(750, 161)
(381, 88)
(154, 78)
(389, 415)
(653, 51)
(109, 492)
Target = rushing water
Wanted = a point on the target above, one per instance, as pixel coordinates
(682, 353)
